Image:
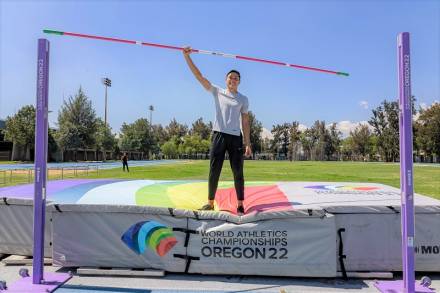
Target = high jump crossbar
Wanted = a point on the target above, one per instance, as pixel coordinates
(61, 33)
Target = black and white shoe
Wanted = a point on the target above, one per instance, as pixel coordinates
(240, 210)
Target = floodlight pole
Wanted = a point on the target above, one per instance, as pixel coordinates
(107, 82)
(105, 114)
(151, 108)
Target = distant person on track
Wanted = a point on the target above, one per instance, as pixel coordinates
(230, 126)
(124, 160)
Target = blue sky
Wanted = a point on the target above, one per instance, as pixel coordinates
(358, 37)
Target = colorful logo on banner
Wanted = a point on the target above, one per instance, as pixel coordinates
(156, 236)
(342, 187)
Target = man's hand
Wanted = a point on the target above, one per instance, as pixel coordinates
(248, 152)
(187, 50)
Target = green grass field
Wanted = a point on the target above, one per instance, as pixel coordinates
(426, 178)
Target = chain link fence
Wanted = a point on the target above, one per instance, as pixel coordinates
(26, 175)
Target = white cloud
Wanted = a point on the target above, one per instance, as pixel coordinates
(265, 133)
(302, 127)
(346, 126)
(363, 104)
(343, 126)
(424, 106)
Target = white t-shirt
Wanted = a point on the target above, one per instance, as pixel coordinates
(228, 110)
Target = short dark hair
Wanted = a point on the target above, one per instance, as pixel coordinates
(234, 71)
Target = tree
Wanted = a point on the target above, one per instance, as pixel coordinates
(255, 133)
(428, 130)
(347, 148)
(137, 136)
(169, 149)
(319, 143)
(362, 143)
(20, 129)
(105, 140)
(321, 138)
(160, 136)
(266, 144)
(194, 144)
(309, 141)
(280, 138)
(176, 129)
(52, 144)
(294, 139)
(2, 130)
(385, 122)
(77, 123)
(201, 128)
(334, 143)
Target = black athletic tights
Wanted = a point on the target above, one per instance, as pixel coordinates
(222, 142)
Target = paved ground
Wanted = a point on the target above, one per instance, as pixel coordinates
(198, 283)
(100, 165)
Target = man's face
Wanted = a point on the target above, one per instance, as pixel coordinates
(232, 81)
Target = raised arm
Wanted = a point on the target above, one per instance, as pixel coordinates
(203, 81)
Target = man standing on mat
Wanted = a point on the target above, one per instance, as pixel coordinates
(231, 109)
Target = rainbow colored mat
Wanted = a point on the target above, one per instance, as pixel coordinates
(191, 195)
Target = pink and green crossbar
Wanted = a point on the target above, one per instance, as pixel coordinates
(141, 43)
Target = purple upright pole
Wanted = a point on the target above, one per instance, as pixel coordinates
(40, 282)
(406, 162)
(40, 159)
(406, 175)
